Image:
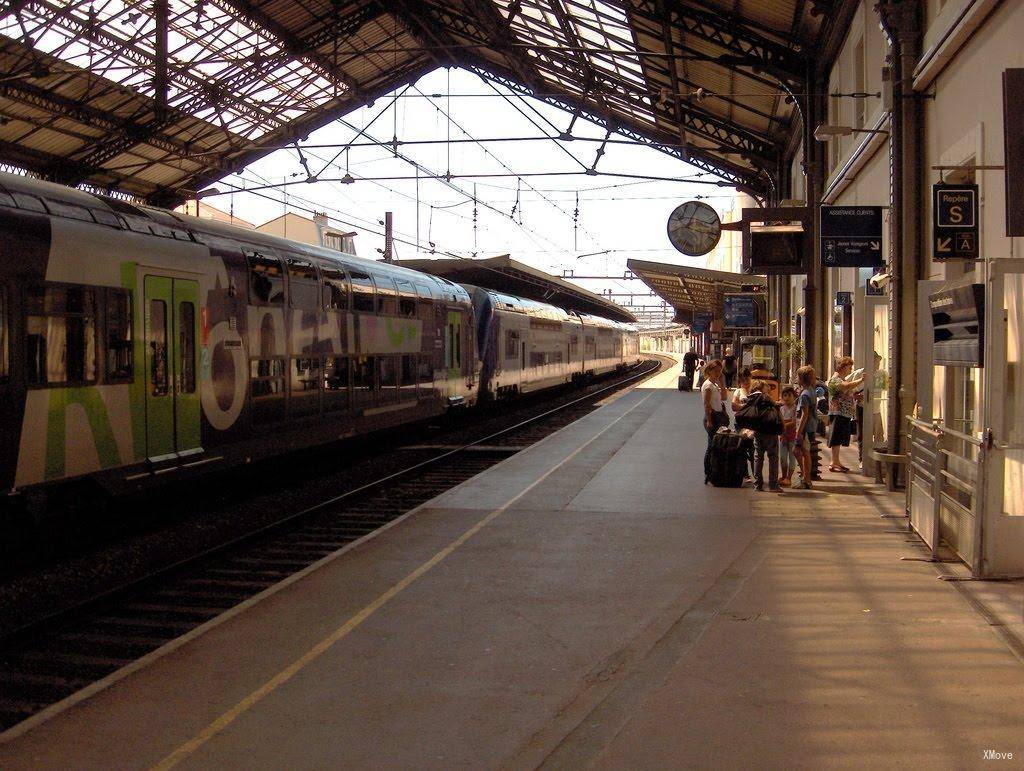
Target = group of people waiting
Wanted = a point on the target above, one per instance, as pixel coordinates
(784, 443)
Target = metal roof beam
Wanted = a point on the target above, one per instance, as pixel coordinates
(748, 47)
(242, 157)
(732, 174)
(296, 46)
(758, 149)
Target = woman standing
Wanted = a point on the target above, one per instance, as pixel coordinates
(842, 409)
(712, 394)
(729, 370)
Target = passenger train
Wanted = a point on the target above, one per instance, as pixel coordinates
(138, 344)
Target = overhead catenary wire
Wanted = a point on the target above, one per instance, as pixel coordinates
(505, 166)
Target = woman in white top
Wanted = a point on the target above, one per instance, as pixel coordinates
(712, 394)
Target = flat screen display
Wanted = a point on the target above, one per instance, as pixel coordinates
(777, 251)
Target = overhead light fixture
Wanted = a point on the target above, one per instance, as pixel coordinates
(825, 131)
(208, 192)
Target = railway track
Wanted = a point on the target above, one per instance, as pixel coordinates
(47, 659)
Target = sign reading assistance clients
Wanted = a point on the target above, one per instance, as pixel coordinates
(851, 236)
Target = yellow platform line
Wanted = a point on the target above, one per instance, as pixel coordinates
(255, 697)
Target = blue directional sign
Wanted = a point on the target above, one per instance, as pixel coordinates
(851, 236)
(955, 222)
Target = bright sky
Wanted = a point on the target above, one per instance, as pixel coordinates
(619, 216)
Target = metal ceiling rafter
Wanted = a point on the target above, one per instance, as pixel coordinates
(750, 47)
(744, 142)
(288, 133)
(732, 174)
(294, 45)
(204, 90)
(698, 121)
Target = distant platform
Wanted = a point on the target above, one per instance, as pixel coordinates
(506, 275)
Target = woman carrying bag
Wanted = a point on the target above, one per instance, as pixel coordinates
(712, 394)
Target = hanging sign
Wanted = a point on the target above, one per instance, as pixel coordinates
(1013, 137)
(702, 321)
(851, 236)
(844, 299)
(955, 222)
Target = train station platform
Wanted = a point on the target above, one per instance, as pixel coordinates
(586, 602)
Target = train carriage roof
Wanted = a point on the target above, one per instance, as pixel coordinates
(26, 193)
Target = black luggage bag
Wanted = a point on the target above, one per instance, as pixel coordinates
(686, 382)
(728, 459)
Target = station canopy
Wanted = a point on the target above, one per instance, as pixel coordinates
(504, 274)
(160, 99)
(691, 290)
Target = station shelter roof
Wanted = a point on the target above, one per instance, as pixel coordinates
(691, 289)
(159, 100)
(506, 275)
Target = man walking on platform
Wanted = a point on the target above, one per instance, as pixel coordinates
(690, 364)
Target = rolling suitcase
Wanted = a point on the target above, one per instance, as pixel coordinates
(728, 459)
(685, 382)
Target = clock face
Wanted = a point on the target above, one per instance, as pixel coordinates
(694, 228)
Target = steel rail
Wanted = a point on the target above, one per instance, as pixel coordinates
(47, 623)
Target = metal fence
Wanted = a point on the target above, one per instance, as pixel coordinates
(945, 488)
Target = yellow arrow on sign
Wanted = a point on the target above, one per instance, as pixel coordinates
(944, 245)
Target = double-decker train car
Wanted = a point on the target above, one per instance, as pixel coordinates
(526, 345)
(135, 342)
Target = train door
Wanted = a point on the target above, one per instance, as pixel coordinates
(171, 315)
(453, 345)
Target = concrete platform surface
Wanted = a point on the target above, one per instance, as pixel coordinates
(587, 602)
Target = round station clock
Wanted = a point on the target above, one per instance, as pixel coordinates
(694, 228)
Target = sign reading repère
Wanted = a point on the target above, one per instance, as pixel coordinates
(955, 222)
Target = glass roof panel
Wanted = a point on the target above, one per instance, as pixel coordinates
(221, 68)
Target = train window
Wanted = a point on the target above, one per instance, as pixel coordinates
(267, 390)
(387, 296)
(303, 285)
(187, 347)
(388, 377)
(29, 202)
(335, 289)
(574, 346)
(159, 377)
(4, 326)
(335, 383)
(266, 280)
(407, 386)
(406, 298)
(512, 345)
(60, 335)
(363, 374)
(305, 386)
(457, 339)
(362, 292)
(426, 369)
(119, 334)
(69, 210)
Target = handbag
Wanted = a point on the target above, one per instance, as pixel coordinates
(719, 419)
(760, 415)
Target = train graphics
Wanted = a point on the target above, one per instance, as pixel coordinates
(138, 343)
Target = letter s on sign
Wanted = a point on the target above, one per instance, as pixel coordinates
(956, 214)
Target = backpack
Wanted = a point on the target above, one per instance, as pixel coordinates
(760, 414)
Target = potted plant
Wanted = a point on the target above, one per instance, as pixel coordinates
(792, 351)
